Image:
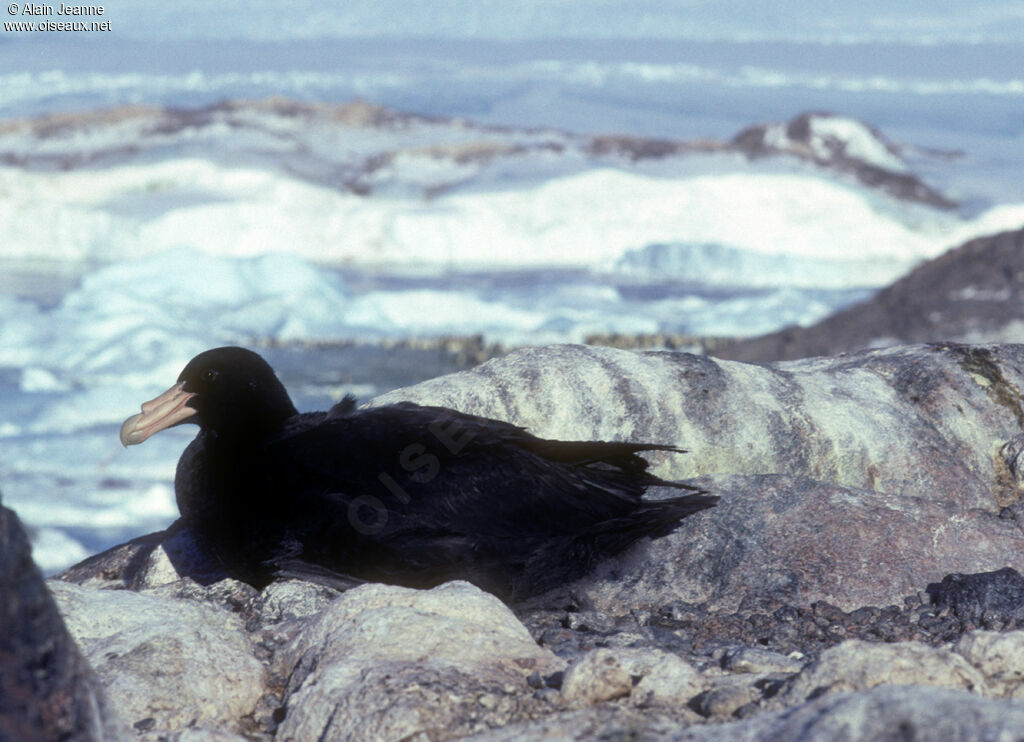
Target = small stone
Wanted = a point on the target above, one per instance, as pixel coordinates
(555, 679)
(669, 681)
(641, 617)
(787, 613)
(837, 630)
(286, 600)
(858, 665)
(547, 695)
(722, 701)
(999, 657)
(588, 621)
(598, 676)
(755, 660)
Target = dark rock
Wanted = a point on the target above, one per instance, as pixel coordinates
(759, 638)
(147, 561)
(47, 689)
(973, 292)
(118, 564)
(554, 680)
(976, 598)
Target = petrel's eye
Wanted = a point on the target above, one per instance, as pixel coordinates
(209, 374)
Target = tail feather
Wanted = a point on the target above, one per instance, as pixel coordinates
(653, 518)
(546, 569)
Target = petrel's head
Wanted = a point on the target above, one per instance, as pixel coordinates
(231, 391)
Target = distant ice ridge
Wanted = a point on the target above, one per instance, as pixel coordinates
(359, 184)
(713, 264)
(579, 219)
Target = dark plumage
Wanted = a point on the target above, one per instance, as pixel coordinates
(403, 494)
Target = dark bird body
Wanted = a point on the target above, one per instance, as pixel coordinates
(403, 494)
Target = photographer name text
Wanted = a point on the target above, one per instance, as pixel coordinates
(62, 9)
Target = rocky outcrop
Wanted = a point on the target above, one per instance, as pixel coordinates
(921, 421)
(47, 690)
(971, 293)
(844, 145)
(851, 488)
(973, 597)
(297, 661)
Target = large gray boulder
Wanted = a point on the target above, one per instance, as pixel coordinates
(796, 540)
(853, 479)
(166, 664)
(47, 689)
(923, 421)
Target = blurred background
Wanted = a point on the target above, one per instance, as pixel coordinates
(380, 191)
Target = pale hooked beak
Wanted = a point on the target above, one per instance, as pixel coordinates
(170, 408)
